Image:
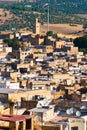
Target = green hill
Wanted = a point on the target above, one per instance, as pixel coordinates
(61, 11)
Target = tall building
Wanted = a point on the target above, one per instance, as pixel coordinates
(37, 27)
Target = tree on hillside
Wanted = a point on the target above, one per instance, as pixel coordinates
(54, 35)
(12, 43)
(85, 26)
(49, 33)
(81, 42)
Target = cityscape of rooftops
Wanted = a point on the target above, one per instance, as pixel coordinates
(43, 65)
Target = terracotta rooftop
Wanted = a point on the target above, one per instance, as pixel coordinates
(14, 118)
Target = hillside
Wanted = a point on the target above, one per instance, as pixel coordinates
(60, 11)
(64, 6)
(69, 6)
(57, 6)
(5, 15)
(62, 28)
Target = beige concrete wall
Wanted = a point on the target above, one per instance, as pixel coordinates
(49, 49)
(23, 65)
(73, 50)
(23, 54)
(49, 114)
(11, 36)
(60, 44)
(3, 54)
(39, 55)
(27, 95)
(62, 76)
(41, 40)
(1, 109)
(14, 75)
(77, 123)
(36, 50)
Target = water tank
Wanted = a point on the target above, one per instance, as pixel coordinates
(78, 113)
(83, 107)
(68, 112)
(59, 112)
(73, 110)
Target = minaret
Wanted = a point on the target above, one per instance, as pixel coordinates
(37, 27)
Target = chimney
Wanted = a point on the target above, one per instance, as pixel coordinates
(11, 105)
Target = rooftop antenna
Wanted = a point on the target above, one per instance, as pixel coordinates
(47, 5)
(48, 19)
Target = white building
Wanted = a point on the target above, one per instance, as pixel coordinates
(9, 85)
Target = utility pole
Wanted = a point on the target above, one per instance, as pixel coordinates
(48, 19)
(47, 5)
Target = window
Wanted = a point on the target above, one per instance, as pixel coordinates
(74, 128)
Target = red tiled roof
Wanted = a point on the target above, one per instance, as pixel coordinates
(59, 118)
(14, 118)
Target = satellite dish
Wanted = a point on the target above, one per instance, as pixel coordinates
(78, 113)
(45, 102)
(84, 110)
(45, 99)
(38, 97)
(78, 93)
(58, 112)
(68, 112)
(51, 106)
(39, 105)
(37, 118)
(83, 107)
(73, 110)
